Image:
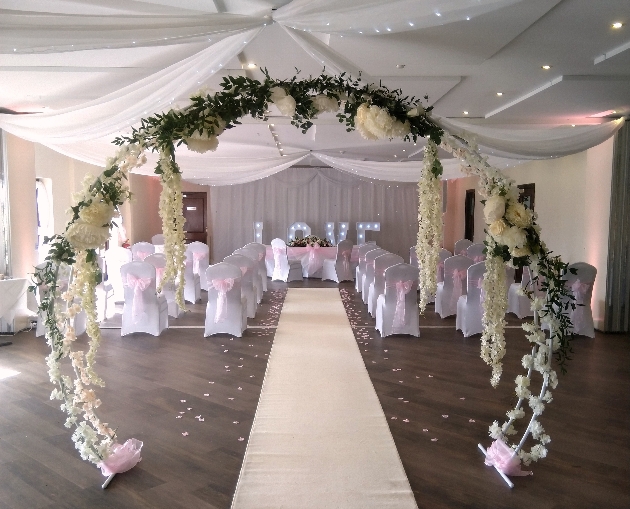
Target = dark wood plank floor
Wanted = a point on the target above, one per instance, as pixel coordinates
(443, 383)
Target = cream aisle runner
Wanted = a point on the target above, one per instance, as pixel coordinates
(319, 438)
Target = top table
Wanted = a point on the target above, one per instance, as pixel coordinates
(312, 260)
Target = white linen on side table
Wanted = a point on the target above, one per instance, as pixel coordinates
(13, 303)
(320, 438)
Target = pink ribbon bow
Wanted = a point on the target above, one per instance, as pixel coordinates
(458, 277)
(197, 257)
(122, 458)
(313, 258)
(463, 252)
(159, 274)
(402, 289)
(502, 457)
(579, 290)
(139, 285)
(479, 258)
(222, 286)
(141, 255)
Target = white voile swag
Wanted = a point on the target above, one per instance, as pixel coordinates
(120, 109)
(376, 16)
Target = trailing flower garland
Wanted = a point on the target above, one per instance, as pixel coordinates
(429, 223)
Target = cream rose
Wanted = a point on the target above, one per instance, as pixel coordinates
(494, 209)
(324, 103)
(414, 112)
(513, 237)
(284, 102)
(202, 143)
(97, 213)
(518, 215)
(375, 123)
(519, 252)
(497, 228)
(83, 235)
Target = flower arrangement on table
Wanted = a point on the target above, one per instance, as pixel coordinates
(310, 240)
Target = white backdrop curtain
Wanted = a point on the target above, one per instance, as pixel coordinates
(314, 196)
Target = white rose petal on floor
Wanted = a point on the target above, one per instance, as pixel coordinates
(320, 437)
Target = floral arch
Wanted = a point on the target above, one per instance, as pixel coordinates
(512, 236)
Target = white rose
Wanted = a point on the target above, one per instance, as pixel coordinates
(83, 235)
(494, 209)
(414, 112)
(284, 102)
(513, 237)
(277, 93)
(324, 103)
(376, 123)
(518, 215)
(519, 252)
(202, 142)
(497, 228)
(97, 213)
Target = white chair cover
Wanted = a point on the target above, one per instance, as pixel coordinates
(444, 254)
(262, 253)
(140, 250)
(192, 281)
(475, 253)
(453, 286)
(520, 305)
(201, 259)
(339, 269)
(158, 260)
(469, 306)
(283, 270)
(581, 286)
(413, 257)
(510, 274)
(397, 308)
(144, 309)
(360, 270)
(115, 258)
(368, 275)
(377, 287)
(247, 267)
(257, 277)
(158, 242)
(226, 311)
(461, 247)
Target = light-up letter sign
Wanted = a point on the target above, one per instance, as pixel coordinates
(296, 227)
(258, 229)
(343, 231)
(363, 227)
(330, 232)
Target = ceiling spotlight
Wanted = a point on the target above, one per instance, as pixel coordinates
(400, 66)
(465, 113)
(251, 65)
(617, 24)
(546, 67)
(499, 94)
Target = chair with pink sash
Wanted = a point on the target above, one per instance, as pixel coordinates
(360, 270)
(381, 264)
(262, 267)
(444, 254)
(192, 281)
(461, 247)
(510, 275)
(226, 311)
(469, 306)
(475, 252)
(140, 250)
(413, 257)
(201, 259)
(248, 290)
(518, 303)
(368, 276)
(257, 277)
(580, 285)
(453, 286)
(158, 242)
(340, 268)
(283, 269)
(144, 310)
(397, 307)
(158, 260)
(115, 258)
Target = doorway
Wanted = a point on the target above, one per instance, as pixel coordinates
(469, 215)
(195, 228)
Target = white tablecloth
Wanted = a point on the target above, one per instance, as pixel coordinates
(312, 260)
(13, 304)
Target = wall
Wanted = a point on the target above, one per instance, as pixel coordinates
(21, 169)
(573, 206)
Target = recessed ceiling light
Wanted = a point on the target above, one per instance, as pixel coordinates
(617, 24)
(465, 113)
(400, 66)
(546, 67)
(251, 65)
(499, 94)
(572, 125)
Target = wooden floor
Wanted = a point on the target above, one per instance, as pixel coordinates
(436, 382)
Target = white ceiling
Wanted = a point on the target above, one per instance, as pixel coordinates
(461, 66)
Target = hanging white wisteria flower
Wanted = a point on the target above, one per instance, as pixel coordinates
(375, 123)
(429, 223)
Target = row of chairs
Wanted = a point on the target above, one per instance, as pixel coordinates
(389, 288)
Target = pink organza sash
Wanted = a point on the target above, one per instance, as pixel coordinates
(222, 286)
(458, 277)
(197, 257)
(139, 285)
(313, 257)
(479, 258)
(159, 274)
(277, 261)
(346, 261)
(579, 290)
(402, 289)
(502, 457)
(463, 252)
(123, 457)
(141, 255)
(482, 294)
(440, 274)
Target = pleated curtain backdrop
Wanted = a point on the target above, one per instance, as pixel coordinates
(315, 196)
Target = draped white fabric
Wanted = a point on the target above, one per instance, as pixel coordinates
(376, 16)
(535, 143)
(314, 196)
(124, 107)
